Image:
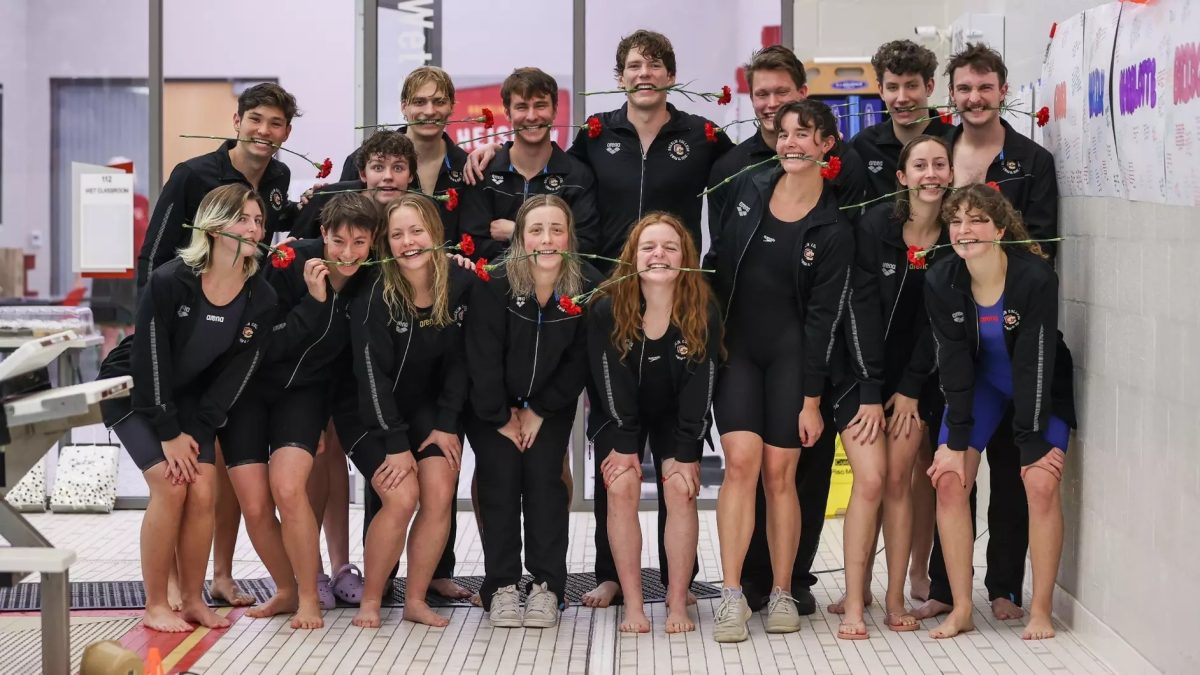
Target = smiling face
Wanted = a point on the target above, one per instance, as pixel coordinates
(533, 111)
(265, 124)
(770, 90)
(972, 232)
(408, 235)
(346, 243)
(795, 143)
(546, 232)
(977, 95)
(659, 250)
(645, 74)
(427, 104)
(926, 172)
(388, 176)
(906, 96)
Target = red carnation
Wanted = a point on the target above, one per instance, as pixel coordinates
(568, 305)
(283, 255)
(466, 245)
(324, 168)
(488, 119)
(710, 132)
(1043, 116)
(726, 96)
(451, 199)
(916, 257)
(1053, 28)
(833, 166)
(946, 116)
(481, 269)
(593, 127)
(994, 185)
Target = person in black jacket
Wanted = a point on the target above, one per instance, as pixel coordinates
(891, 359)
(203, 325)
(653, 345)
(410, 366)
(271, 437)
(527, 351)
(530, 164)
(783, 263)
(994, 315)
(263, 120)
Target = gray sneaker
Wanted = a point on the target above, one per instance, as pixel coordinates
(541, 607)
(506, 608)
(782, 615)
(732, 616)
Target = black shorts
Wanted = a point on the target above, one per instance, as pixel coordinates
(929, 406)
(659, 430)
(761, 396)
(265, 419)
(141, 442)
(368, 452)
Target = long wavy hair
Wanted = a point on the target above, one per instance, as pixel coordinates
(689, 302)
(518, 264)
(219, 209)
(990, 201)
(903, 206)
(398, 293)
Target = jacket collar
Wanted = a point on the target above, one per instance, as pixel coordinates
(228, 172)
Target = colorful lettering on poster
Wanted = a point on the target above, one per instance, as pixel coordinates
(1096, 82)
(1060, 100)
(1138, 87)
(1187, 72)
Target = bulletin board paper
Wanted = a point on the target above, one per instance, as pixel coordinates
(1182, 162)
(1103, 171)
(1141, 89)
(1064, 90)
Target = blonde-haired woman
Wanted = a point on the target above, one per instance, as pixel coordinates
(653, 345)
(412, 386)
(527, 349)
(202, 324)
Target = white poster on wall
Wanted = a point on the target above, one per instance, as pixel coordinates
(1141, 89)
(1064, 91)
(1183, 117)
(1100, 145)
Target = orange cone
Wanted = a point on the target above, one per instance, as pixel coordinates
(153, 663)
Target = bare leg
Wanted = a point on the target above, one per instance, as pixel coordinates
(1045, 548)
(682, 533)
(897, 525)
(195, 540)
(318, 496)
(385, 541)
(923, 522)
(252, 485)
(337, 507)
(869, 463)
(625, 538)
(954, 525)
(783, 511)
(430, 529)
(225, 531)
(289, 469)
(160, 527)
(735, 502)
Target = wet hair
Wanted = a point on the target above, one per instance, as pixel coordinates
(651, 44)
(219, 209)
(815, 115)
(979, 58)
(519, 265)
(996, 206)
(389, 143)
(398, 294)
(901, 211)
(268, 94)
(527, 83)
(776, 57)
(351, 210)
(904, 57)
(422, 76)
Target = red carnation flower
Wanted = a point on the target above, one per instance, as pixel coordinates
(916, 257)
(1043, 116)
(593, 127)
(726, 95)
(710, 132)
(946, 116)
(324, 168)
(994, 185)
(1053, 28)
(568, 305)
(488, 119)
(451, 199)
(833, 166)
(466, 245)
(481, 269)
(283, 255)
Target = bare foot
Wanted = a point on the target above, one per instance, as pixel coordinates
(1005, 609)
(602, 595)
(174, 597)
(839, 607)
(901, 621)
(280, 603)
(953, 625)
(164, 620)
(227, 591)
(476, 600)
(448, 589)
(419, 612)
(919, 587)
(308, 616)
(679, 621)
(367, 617)
(1039, 628)
(930, 609)
(635, 622)
(851, 629)
(204, 615)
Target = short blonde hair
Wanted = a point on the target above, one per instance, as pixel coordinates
(219, 209)
(422, 76)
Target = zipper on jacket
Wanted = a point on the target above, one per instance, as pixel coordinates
(332, 311)
(404, 356)
(642, 176)
(537, 338)
(888, 328)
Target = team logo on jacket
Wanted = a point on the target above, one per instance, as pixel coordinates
(875, 165)
(678, 149)
(1012, 319)
(401, 326)
(459, 314)
(958, 317)
(497, 179)
(455, 176)
(742, 209)
(1011, 167)
(248, 332)
(889, 269)
(613, 148)
(276, 199)
(183, 311)
(809, 254)
(681, 349)
(553, 182)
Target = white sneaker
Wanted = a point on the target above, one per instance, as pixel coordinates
(732, 616)
(506, 608)
(541, 607)
(782, 615)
